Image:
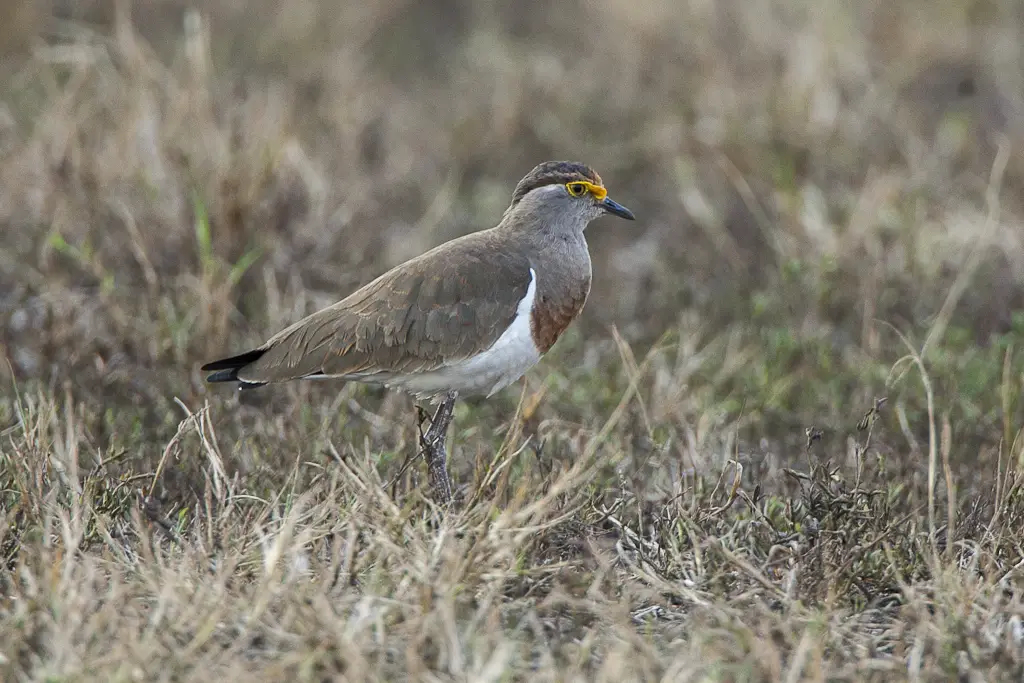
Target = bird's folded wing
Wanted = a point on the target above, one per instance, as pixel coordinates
(446, 305)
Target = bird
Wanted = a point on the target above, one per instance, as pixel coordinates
(466, 318)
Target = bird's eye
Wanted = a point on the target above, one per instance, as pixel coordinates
(577, 189)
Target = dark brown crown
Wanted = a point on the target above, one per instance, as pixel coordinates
(554, 173)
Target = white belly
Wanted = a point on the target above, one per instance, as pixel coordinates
(503, 363)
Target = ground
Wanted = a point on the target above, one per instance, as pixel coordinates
(781, 443)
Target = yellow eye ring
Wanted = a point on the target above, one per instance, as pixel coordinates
(576, 189)
(579, 188)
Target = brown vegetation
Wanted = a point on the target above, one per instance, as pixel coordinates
(781, 443)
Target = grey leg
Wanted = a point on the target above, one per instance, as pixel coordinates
(434, 449)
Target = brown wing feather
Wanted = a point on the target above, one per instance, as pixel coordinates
(446, 305)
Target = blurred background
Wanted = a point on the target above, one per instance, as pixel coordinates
(179, 180)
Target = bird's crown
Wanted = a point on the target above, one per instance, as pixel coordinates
(578, 179)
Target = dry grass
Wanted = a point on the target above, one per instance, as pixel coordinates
(781, 445)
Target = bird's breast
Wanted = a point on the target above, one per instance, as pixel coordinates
(559, 301)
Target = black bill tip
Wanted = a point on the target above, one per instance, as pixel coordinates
(613, 207)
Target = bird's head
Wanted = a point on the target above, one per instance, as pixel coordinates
(561, 195)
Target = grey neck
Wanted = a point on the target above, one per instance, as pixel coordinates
(561, 260)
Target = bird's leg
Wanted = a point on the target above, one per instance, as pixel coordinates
(434, 449)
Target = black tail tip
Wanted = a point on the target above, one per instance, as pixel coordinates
(226, 369)
(223, 376)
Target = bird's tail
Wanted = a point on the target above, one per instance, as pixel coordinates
(226, 369)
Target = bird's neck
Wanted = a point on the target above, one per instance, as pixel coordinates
(532, 225)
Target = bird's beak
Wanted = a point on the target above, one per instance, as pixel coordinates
(611, 206)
